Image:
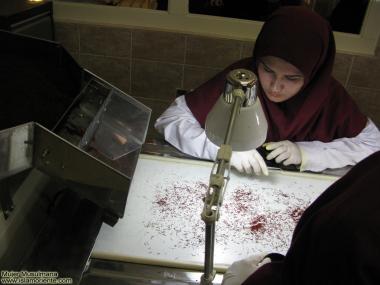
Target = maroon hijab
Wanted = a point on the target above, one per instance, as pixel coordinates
(337, 240)
(322, 110)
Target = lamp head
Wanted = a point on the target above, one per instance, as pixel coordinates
(250, 126)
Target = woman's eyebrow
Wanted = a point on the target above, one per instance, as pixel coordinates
(263, 63)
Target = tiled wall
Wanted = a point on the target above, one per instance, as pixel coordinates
(151, 65)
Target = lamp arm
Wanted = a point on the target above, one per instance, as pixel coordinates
(239, 95)
(215, 191)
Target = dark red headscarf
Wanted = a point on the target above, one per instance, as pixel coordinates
(337, 240)
(322, 110)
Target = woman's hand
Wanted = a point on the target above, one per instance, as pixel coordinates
(240, 270)
(284, 152)
(249, 162)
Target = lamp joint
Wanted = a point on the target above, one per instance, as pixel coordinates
(224, 152)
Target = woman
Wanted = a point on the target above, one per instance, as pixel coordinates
(335, 242)
(313, 123)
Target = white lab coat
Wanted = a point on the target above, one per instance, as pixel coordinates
(181, 129)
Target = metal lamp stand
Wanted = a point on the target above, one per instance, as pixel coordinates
(216, 189)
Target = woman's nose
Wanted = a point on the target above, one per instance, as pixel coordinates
(275, 85)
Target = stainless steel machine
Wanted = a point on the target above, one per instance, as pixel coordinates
(69, 145)
(54, 198)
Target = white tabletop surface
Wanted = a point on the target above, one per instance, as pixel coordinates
(162, 223)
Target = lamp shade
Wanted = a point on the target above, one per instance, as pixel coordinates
(250, 126)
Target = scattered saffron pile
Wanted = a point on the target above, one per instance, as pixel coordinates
(252, 219)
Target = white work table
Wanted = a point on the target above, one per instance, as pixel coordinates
(162, 223)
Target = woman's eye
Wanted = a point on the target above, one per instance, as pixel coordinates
(292, 79)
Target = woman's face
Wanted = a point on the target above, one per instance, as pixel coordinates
(279, 79)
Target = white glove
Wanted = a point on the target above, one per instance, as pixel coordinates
(249, 162)
(240, 270)
(284, 152)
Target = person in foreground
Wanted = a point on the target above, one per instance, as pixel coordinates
(312, 121)
(336, 241)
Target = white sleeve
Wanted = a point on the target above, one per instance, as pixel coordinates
(181, 129)
(318, 156)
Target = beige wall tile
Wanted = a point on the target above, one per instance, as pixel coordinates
(196, 75)
(247, 49)
(365, 72)
(108, 41)
(342, 66)
(114, 70)
(68, 35)
(156, 80)
(212, 52)
(368, 102)
(160, 46)
(377, 51)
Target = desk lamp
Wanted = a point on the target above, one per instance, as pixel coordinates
(236, 122)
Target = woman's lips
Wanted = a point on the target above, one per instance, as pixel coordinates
(274, 94)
